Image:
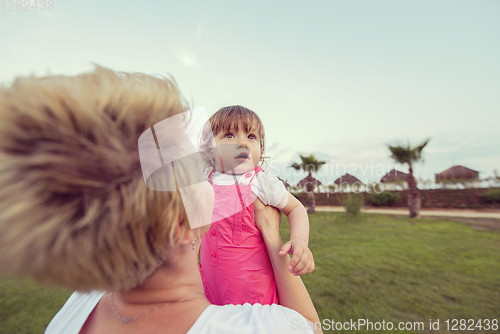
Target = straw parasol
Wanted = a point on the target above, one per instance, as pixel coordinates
(394, 176)
(457, 173)
(347, 178)
(309, 182)
(284, 182)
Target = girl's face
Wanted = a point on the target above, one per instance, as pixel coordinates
(239, 151)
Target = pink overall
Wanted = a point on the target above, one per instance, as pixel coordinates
(234, 264)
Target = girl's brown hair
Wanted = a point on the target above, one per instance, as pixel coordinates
(232, 117)
(74, 208)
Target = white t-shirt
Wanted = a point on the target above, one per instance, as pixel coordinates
(227, 319)
(266, 186)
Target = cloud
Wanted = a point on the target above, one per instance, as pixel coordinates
(186, 55)
(187, 58)
(276, 150)
(199, 29)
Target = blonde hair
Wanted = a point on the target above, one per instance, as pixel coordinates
(74, 208)
(225, 119)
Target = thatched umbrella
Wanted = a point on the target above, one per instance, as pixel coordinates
(347, 178)
(457, 173)
(394, 176)
(286, 184)
(309, 164)
(309, 182)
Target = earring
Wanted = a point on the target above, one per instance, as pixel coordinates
(193, 243)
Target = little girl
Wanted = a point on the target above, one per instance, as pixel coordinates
(234, 263)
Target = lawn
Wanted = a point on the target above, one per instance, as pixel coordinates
(371, 267)
(27, 308)
(379, 267)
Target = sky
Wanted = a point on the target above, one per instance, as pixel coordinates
(338, 79)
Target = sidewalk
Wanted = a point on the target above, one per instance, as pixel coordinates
(494, 214)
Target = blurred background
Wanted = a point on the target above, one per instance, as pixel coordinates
(338, 80)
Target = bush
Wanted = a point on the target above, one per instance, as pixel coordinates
(491, 196)
(353, 203)
(384, 198)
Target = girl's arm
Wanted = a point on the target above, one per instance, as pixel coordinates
(298, 219)
(292, 292)
(302, 260)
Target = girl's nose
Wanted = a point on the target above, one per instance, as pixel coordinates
(242, 142)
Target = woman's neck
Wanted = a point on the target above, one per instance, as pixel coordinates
(155, 302)
(167, 284)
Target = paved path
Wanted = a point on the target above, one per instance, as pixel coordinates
(495, 214)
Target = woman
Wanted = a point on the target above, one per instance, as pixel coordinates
(77, 209)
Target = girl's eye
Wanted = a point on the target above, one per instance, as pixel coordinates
(229, 135)
(252, 137)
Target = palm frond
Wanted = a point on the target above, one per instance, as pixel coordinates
(308, 164)
(406, 154)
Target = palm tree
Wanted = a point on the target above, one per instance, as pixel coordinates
(309, 165)
(410, 155)
(496, 178)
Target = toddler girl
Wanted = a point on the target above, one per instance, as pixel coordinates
(234, 263)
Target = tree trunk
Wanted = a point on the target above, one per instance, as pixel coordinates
(311, 204)
(413, 196)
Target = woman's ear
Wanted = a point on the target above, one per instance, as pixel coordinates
(184, 237)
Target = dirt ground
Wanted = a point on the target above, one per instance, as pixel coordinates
(486, 220)
(485, 224)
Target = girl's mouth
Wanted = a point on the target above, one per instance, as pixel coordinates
(242, 156)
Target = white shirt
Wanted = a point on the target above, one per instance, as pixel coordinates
(266, 186)
(227, 319)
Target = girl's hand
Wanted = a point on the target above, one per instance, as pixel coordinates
(302, 261)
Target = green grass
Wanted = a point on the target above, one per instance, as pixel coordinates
(368, 266)
(25, 307)
(379, 267)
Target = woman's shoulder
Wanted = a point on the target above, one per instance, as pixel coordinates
(74, 313)
(248, 318)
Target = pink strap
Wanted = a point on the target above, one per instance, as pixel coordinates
(257, 170)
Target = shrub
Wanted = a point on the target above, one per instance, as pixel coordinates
(384, 198)
(491, 196)
(353, 203)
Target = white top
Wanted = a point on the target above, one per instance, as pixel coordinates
(242, 319)
(266, 186)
